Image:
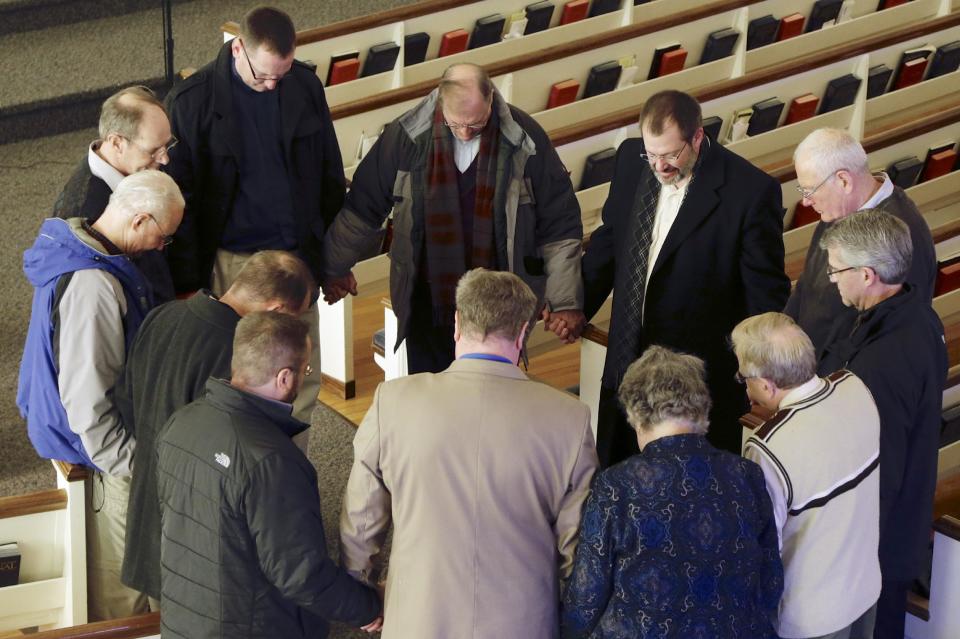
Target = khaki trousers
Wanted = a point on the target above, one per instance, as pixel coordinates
(106, 522)
(225, 269)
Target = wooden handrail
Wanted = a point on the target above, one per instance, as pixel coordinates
(43, 501)
(948, 525)
(124, 628)
(626, 117)
(362, 23)
(71, 472)
(547, 54)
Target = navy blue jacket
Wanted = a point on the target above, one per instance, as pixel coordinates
(676, 541)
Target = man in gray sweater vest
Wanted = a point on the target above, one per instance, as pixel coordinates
(820, 455)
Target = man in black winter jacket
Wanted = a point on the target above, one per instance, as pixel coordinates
(243, 550)
(896, 346)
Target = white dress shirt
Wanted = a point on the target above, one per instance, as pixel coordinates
(101, 168)
(668, 206)
(464, 151)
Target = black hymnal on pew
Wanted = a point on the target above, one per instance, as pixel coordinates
(9, 564)
(488, 30)
(878, 79)
(415, 48)
(841, 92)
(719, 45)
(765, 116)
(602, 79)
(823, 11)
(904, 173)
(600, 7)
(945, 60)
(711, 126)
(762, 31)
(380, 59)
(598, 168)
(539, 15)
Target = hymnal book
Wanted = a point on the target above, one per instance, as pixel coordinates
(939, 161)
(453, 42)
(539, 15)
(563, 93)
(765, 116)
(904, 173)
(886, 4)
(878, 78)
(415, 48)
(516, 26)
(719, 45)
(488, 30)
(802, 108)
(573, 11)
(790, 26)
(602, 79)
(762, 31)
(824, 13)
(945, 60)
(803, 215)
(343, 68)
(628, 71)
(600, 7)
(948, 276)
(636, 2)
(672, 61)
(740, 124)
(658, 54)
(380, 58)
(598, 168)
(712, 125)
(913, 65)
(841, 92)
(9, 564)
(846, 11)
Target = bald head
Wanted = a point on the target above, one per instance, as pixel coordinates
(465, 83)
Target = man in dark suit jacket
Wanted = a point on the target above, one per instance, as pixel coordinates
(691, 243)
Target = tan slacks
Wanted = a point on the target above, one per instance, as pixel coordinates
(106, 523)
(225, 269)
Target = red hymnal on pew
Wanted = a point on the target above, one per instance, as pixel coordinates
(801, 108)
(573, 11)
(453, 42)
(948, 276)
(563, 93)
(672, 61)
(790, 26)
(938, 164)
(343, 71)
(803, 215)
(911, 72)
(886, 4)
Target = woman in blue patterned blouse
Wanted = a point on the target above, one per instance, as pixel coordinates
(679, 540)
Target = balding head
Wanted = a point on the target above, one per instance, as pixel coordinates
(134, 131)
(274, 281)
(465, 98)
(773, 346)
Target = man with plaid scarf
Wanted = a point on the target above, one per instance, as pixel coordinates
(472, 182)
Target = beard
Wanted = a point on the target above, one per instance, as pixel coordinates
(677, 175)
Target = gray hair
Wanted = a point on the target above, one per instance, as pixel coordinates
(872, 238)
(832, 150)
(493, 303)
(149, 191)
(664, 385)
(265, 343)
(275, 275)
(772, 346)
(122, 112)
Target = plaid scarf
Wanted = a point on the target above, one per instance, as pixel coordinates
(447, 257)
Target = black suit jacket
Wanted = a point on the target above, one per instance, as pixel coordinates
(722, 260)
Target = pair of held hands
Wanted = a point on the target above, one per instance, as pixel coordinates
(377, 624)
(568, 325)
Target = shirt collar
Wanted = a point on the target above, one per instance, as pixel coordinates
(885, 191)
(101, 168)
(802, 392)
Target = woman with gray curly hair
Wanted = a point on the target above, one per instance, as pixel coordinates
(678, 540)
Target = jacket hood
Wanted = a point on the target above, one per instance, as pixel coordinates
(58, 250)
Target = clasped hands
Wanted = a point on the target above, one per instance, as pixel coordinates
(567, 325)
(337, 288)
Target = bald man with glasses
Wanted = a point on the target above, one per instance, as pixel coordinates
(258, 162)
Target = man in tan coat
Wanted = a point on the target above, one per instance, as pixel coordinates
(483, 473)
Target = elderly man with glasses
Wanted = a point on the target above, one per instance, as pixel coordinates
(897, 348)
(134, 136)
(691, 243)
(834, 178)
(258, 162)
(472, 182)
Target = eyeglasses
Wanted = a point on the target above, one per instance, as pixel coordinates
(667, 157)
(159, 152)
(808, 193)
(259, 78)
(167, 239)
(469, 127)
(308, 371)
(833, 272)
(741, 378)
